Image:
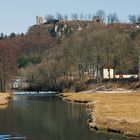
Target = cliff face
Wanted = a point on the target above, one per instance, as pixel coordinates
(64, 28)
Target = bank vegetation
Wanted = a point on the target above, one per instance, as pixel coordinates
(4, 99)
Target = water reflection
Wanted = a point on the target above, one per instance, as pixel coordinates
(10, 137)
(48, 118)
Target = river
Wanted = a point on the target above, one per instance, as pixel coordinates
(47, 118)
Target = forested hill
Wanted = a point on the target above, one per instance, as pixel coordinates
(67, 54)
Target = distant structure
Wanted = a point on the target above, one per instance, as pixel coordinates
(19, 84)
(39, 20)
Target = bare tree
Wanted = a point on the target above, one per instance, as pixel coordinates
(81, 16)
(7, 65)
(137, 52)
(89, 16)
(65, 17)
(49, 17)
(1, 36)
(101, 15)
(59, 16)
(133, 19)
(112, 18)
(138, 19)
(74, 16)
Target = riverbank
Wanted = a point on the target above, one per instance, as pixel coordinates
(114, 112)
(4, 98)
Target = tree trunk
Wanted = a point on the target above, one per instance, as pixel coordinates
(4, 84)
(97, 76)
(0, 84)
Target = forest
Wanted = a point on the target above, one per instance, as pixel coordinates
(68, 53)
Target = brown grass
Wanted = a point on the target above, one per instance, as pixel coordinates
(112, 112)
(4, 98)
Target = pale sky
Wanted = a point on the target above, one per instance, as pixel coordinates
(17, 15)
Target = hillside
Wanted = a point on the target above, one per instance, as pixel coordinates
(60, 55)
(64, 28)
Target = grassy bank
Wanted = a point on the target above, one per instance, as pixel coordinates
(111, 112)
(4, 98)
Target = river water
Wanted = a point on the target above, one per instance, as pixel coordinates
(47, 118)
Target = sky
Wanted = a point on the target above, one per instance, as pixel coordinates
(18, 15)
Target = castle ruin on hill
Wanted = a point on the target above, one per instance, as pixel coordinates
(39, 20)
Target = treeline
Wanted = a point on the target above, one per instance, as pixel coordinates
(17, 52)
(8, 66)
(53, 63)
(99, 15)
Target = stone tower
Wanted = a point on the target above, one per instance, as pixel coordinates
(39, 20)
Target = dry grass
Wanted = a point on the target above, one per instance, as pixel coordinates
(112, 112)
(4, 98)
(3, 106)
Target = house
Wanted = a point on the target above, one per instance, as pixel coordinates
(107, 72)
(126, 76)
(19, 83)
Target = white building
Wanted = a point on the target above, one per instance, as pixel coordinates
(108, 73)
(18, 83)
